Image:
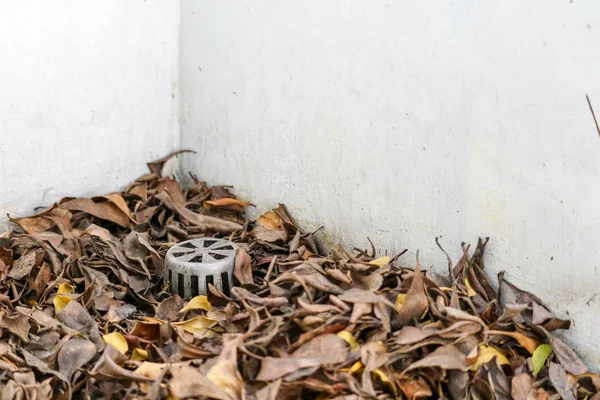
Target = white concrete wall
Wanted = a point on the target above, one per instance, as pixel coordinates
(404, 120)
(89, 93)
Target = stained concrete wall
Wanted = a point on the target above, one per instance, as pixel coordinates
(89, 92)
(402, 121)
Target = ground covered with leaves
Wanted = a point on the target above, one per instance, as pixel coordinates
(85, 312)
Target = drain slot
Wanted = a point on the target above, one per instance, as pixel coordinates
(180, 283)
(195, 288)
(225, 281)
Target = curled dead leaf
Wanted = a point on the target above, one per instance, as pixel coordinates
(381, 261)
(199, 326)
(243, 267)
(270, 220)
(226, 203)
(197, 303)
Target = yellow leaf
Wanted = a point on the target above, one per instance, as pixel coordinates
(486, 354)
(149, 369)
(400, 300)
(65, 288)
(225, 375)
(540, 355)
(197, 303)
(381, 375)
(347, 336)
(270, 220)
(31, 302)
(470, 291)
(9, 362)
(381, 261)
(198, 326)
(526, 342)
(139, 354)
(116, 340)
(153, 320)
(60, 302)
(356, 367)
(384, 379)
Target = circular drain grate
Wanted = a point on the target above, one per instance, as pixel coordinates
(193, 264)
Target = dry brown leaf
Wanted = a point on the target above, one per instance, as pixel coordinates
(446, 357)
(188, 382)
(415, 388)
(106, 367)
(269, 235)
(140, 191)
(34, 224)
(18, 324)
(225, 374)
(147, 331)
(204, 222)
(413, 334)
(558, 378)
(226, 203)
(322, 350)
(75, 317)
(42, 278)
(526, 342)
(415, 303)
(119, 312)
(173, 188)
(241, 293)
(23, 266)
(120, 202)
(364, 296)
(105, 210)
(75, 354)
(243, 267)
(270, 220)
(360, 309)
(566, 356)
(169, 308)
(522, 388)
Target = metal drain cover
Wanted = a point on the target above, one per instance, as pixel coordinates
(193, 264)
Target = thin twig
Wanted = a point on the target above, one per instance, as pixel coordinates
(270, 269)
(593, 115)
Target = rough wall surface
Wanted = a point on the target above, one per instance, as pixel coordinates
(88, 94)
(402, 121)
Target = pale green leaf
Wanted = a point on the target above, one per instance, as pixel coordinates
(540, 355)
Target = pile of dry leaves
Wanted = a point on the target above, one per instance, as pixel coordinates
(86, 314)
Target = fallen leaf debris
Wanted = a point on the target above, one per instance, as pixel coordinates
(85, 313)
